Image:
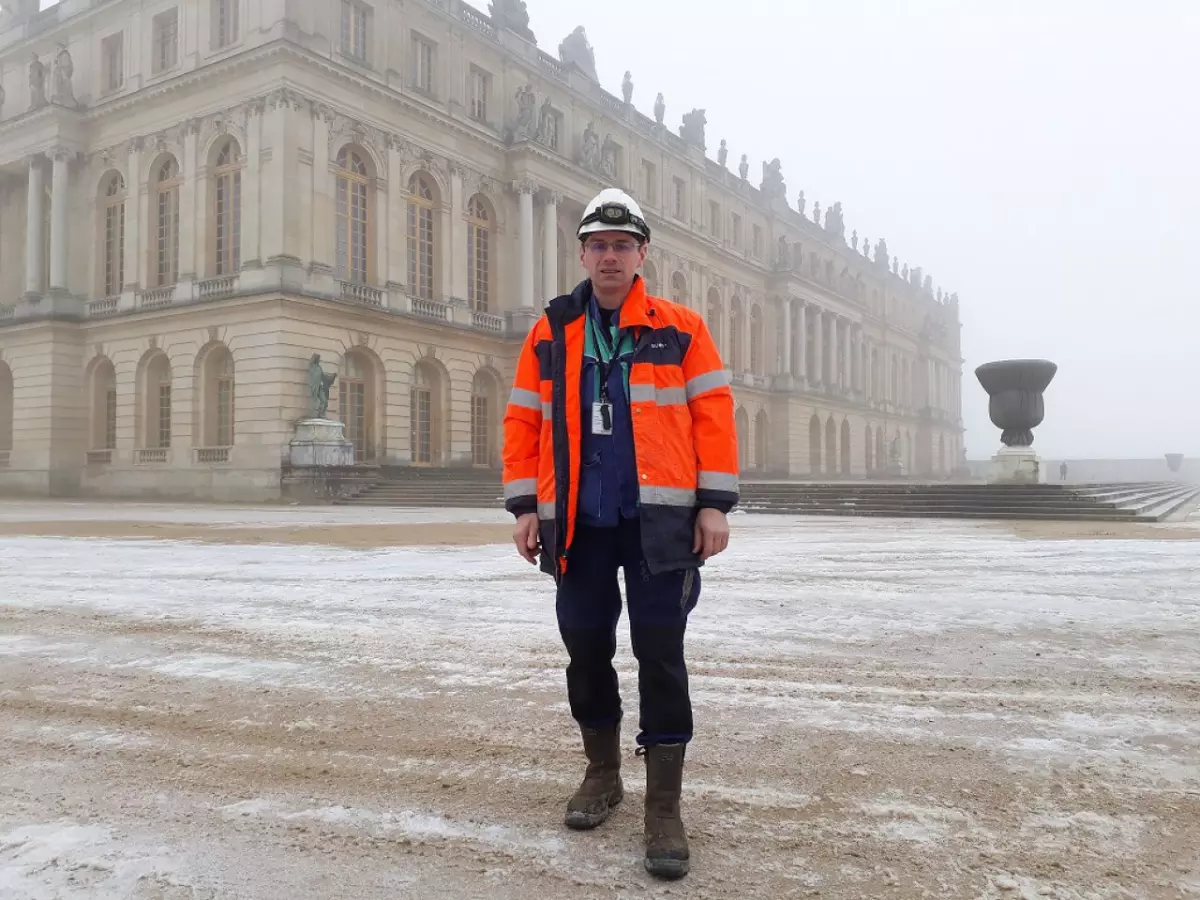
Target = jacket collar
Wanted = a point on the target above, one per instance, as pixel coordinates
(635, 311)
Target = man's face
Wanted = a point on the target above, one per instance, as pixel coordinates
(612, 258)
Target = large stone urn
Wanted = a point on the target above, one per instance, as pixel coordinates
(1016, 406)
(1175, 462)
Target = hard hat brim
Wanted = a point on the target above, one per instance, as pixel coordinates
(597, 227)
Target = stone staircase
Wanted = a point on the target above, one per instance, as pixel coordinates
(1132, 502)
(1142, 502)
(413, 486)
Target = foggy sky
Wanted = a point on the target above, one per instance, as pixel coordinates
(1039, 158)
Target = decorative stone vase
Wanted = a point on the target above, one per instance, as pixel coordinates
(1175, 462)
(1015, 388)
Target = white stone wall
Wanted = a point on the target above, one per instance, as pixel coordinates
(289, 94)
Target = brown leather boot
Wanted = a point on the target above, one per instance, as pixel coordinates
(601, 789)
(666, 841)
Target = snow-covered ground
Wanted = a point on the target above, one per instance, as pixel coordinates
(885, 709)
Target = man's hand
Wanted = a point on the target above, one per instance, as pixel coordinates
(525, 536)
(712, 533)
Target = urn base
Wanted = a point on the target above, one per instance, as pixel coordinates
(1015, 465)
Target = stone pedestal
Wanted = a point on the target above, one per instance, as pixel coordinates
(320, 442)
(1015, 465)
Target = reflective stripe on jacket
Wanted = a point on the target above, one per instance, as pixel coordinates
(684, 434)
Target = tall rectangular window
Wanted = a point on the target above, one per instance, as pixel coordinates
(481, 431)
(164, 415)
(112, 55)
(165, 53)
(224, 412)
(650, 182)
(110, 419)
(424, 54)
(225, 22)
(356, 20)
(480, 87)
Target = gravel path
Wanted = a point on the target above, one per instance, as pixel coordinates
(885, 709)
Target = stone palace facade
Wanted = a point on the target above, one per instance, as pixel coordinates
(197, 195)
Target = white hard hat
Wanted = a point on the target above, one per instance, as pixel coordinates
(613, 210)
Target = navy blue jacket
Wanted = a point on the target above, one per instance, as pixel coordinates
(608, 485)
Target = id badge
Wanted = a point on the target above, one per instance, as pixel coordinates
(602, 418)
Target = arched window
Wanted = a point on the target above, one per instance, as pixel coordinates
(483, 416)
(356, 402)
(650, 276)
(736, 362)
(814, 445)
(756, 341)
(422, 246)
(479, 254)
(568, 266)
(352, 217)
(742, 420)
(6, 411)
(219, 396)
(716, 316)
(845, 468)
(156, 403)
(762, 432)
(104, 406)
(113, 229)
(426, 414)
(166, 181)
(679, 289)
(227, 209)
(831, 449)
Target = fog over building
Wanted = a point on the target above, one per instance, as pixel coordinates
(196, 196)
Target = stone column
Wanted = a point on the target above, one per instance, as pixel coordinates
(859, 377)
(191, 222)
(787, 336)
(800, 362)
(847, 355)
(324, 256)
(818, 323)
(396, 212)
(380, 222)
(454, 260)
(525, 191)
(550, 247)
(251, 200)
(34, 214)
(134, 213)
(58, 219)
(747, 362)
(834, 354)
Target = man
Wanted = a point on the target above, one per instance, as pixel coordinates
(620, 451)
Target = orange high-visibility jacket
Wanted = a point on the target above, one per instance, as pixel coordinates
(684, 434)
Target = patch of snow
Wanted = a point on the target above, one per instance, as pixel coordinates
(68, 860)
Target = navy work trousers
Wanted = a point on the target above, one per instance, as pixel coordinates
(589, 606)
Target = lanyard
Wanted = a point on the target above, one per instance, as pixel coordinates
(611, 345)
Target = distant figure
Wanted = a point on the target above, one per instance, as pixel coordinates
(1062, 472)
